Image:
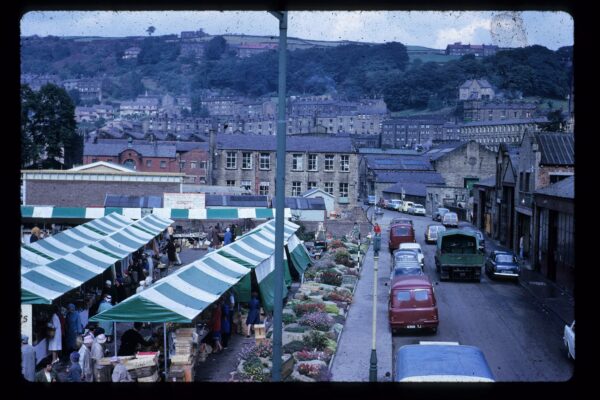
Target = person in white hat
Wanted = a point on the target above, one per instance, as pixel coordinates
(85, 357)
(141, 287)
(106, 305)
(27, 359)
(120, 373)
(98, 351)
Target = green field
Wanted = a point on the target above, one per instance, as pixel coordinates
(431, 57)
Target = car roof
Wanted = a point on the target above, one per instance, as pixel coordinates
(401, 224)
(497, 252)
(411, 281)
(409, 246)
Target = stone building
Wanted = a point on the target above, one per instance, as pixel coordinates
(476, 110)
(398, 133)
(315, 161)
(476, 89)
(493, 133)
(544, 158)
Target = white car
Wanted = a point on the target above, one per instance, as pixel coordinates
(417, 247)
(417, 209)
(569, 339)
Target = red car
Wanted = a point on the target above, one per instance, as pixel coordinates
(412, 303)
(401, 233)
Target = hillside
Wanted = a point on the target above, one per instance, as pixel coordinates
(412, 77)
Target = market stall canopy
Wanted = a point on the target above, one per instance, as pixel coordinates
(44, 283)
(218, 213)
(47, 250)
(36, 212)
(183, 295)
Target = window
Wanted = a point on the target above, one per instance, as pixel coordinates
(230, 182)
(329, 162)
(265, 161)
(163, 164)
(246, 185)
(181, 165)
(312, 162)
(148, 163)
(329, 188)
(193, 164)
(402, 296)
(202, 164)
(296, 188)
(343, 189)
(263, 189)
(231, 160)
(556, 178)
(311, 185)
(345, 163)
(297, 164)
(246, 160)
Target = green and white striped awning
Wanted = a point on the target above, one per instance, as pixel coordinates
(47, 250)
(300, 256)
(34, 212)
(182, 296)
(44, 283)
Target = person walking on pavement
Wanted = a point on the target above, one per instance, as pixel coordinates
(254, 313)
(74, 372)
(521, 240)
(131, 339)
(85, 357)
(120, 373)
(46, 374)
(74, 327)
(27, 359)
(106, 305)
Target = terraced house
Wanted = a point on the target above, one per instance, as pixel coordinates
(312, 161)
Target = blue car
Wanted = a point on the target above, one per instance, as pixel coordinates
(502, 264)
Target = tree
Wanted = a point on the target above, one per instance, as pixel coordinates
(556, 122)
(48, 126)
(150, 30)
(215, 48)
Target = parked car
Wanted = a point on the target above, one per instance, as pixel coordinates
(431, 232)
(416, 247)
(378, 211)
(406, 205)
(417, 209)
(450, 219)
(395, 204)
(569, 340)
(405, 255)
(401, 233)
(502, 264)
(439, 213)
(401, 220)
(479, 235)
(412, 303)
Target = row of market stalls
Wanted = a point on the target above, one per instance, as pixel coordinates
(54, 267)
(71, 266)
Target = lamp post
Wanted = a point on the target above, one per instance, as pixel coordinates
(279, 199)
(373, 367)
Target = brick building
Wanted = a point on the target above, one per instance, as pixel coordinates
(88, 185)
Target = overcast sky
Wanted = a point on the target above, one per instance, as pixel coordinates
(429, 29)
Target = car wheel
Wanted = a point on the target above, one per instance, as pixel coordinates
(434, 330)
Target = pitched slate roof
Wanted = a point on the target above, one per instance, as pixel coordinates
(114, 149)
(556, 148)
(415, 163)
(218, 200)
(314, 143)
(564, 188)
(429, 177)
(301, 203)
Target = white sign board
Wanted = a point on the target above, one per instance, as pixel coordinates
(184, 200)
(26, 322)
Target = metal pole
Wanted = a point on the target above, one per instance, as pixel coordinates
(279, 199)
(115, 335)
(165, 347)
(373, 368)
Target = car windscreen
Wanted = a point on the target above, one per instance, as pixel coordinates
(401, 231)
(504, 259)
(406, 256)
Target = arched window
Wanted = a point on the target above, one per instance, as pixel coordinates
(129, 163)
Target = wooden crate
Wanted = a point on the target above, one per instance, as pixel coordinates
(260, 331)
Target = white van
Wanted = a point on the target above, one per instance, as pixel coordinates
(406, 205)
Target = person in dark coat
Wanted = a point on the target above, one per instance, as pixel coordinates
(216, 325)
(225, 322)
(74, 372)
(254, 313)
(131, 339)
(46, 374)
(228, 237)
(172, 251)
(74, 328)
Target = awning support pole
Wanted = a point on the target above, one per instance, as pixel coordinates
(165, 348)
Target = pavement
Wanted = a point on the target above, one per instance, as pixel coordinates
(351, 362)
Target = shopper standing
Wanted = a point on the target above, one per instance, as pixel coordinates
(225, 322)
(55, 334)
(106, 305)
(97, 352)
(254, 313)
(74, 373)
(46, 374)
(215, 325)
(35, 235)
(85, 357)
(228, 237)
(74, 327)
(27, 359)
(131, 339)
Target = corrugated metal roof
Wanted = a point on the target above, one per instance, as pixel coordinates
(415, 163)
(217, 200)
(556, 148)
(302, 203)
